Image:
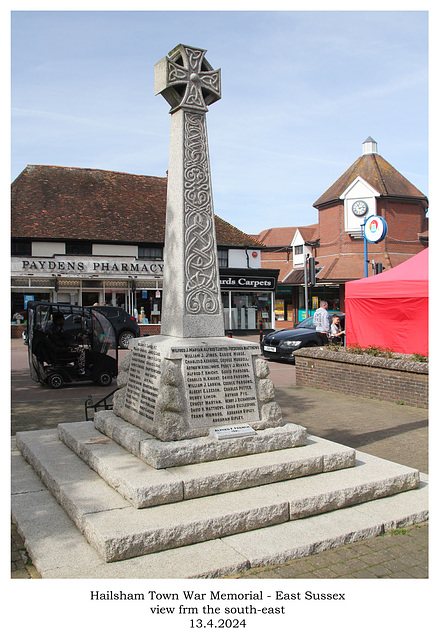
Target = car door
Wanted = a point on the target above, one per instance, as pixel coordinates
(114, 317)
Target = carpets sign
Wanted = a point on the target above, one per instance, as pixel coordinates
(246, 283)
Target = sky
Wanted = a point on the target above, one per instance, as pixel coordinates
(301, 91)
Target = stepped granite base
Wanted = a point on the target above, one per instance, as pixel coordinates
(66, 554)
(126, 509)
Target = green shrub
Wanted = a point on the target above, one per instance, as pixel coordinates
(333, 347)
(418, 357)
(378, 352)
(355, 348)
(371, 350)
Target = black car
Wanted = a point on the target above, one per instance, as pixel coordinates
(124, 325)
(280, 345)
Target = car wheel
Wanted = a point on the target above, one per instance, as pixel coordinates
(55, 381)
(124, 339)
(104, 379)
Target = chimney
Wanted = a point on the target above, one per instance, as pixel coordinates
(369, 146)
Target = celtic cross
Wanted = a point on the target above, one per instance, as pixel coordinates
(186, 79)
(192, 306)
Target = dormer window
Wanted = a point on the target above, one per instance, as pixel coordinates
(21, 248)
(298, 250)
(223, 258)
(78, 248)
(151, 253)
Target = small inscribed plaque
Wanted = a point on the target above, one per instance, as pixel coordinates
(234, 431)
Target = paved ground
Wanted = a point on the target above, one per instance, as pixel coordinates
(387, 430)
(399, 554)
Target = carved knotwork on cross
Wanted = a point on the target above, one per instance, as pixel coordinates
(186, 79)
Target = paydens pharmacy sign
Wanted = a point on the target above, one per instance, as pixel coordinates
(60, 265)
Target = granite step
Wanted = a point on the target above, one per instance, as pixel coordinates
(164, 454)
(119, 531)
(66, 554)
(145, 486)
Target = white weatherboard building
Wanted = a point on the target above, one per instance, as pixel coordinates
(82, 236)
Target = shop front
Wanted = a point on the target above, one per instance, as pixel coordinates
(136, 286)
(133, 284)
(248, 298)
(329, 292)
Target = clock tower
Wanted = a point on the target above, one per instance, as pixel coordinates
(370, 187)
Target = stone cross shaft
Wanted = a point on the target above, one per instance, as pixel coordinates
(192, 305)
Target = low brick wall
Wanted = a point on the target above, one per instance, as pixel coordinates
(17, 330)
(397, 379)
(150, 329)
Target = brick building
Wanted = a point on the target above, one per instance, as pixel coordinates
(371, 186)
(82, 236)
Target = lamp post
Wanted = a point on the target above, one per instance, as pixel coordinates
(363, 227)
(374, 229)
(305, 277)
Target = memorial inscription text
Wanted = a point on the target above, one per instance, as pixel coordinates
(220, 383)
(142, 389)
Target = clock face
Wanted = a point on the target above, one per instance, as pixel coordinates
(359, 208)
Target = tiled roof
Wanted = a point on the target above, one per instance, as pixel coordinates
(379, 174)
(351, 267)
(283, 236)
(310, 233)
(96, 205)
(342, 268)
(294, 277)
(277, 237)
(285, 268)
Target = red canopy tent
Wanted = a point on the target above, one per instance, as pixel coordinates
(390, 309)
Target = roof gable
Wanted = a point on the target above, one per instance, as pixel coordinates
(277, 236)
(357, 188)
(379, 174)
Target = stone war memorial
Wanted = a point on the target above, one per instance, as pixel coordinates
(194, 473)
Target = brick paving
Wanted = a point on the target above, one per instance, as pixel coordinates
(394, 432)
(399, 554)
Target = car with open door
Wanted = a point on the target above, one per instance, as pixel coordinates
(125, 326)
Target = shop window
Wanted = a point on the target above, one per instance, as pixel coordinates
(250, 311)
(223, 258)
(21, 248)
(148, 306)
(151, 253)
(78, 248)
(90, 298)
(19, 304)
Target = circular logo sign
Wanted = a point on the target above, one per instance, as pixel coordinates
(375, 229)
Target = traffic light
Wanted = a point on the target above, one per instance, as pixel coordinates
(379, 267)
(312, 271)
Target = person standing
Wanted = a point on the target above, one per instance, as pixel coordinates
(322, 319)
(336, 330)
(56, 333)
